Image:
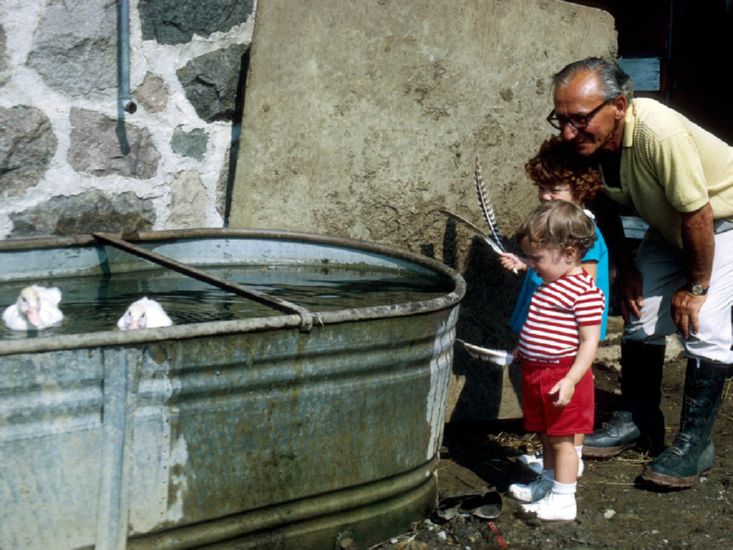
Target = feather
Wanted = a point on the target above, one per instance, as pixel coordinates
(487, 208)
(498, 356)
(496, 247)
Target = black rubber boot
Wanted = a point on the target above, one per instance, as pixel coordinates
(640, 420)
(646, 411)
(692, 452)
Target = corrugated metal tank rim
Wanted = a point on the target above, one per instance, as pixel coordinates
(195, 330)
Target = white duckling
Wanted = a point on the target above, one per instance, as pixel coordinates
(144, 313)
(36, 309)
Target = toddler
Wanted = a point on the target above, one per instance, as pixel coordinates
(557, 345)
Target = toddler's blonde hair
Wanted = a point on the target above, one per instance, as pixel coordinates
(558, 224)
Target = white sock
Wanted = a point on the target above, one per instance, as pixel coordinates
(579, 450)
(563, 494)
(564, 491)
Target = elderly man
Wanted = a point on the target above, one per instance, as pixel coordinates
(679, 179)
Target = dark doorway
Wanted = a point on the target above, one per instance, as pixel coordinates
(692, 39)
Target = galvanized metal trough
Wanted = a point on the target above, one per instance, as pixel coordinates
(288, 430)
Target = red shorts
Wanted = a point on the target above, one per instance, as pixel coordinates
(541, 414)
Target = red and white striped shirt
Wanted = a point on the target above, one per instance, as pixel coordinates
(556, 312)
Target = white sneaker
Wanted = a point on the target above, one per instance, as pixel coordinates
(536, 463)
(553, 507)
(531, 492)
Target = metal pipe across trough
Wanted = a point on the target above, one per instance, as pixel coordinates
(247, 433)
(282, 305)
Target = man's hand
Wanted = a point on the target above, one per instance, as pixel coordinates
(631, 291)
(685, 310)
(698, 243)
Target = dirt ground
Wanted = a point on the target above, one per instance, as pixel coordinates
(614, 510)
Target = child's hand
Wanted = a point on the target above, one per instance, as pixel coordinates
(564, 389)
(511, 262)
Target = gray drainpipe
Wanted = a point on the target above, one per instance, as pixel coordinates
(124, 101)
(123, 51)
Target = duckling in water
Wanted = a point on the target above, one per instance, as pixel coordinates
(144, 313)
(36, 309)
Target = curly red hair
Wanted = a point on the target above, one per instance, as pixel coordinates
(557, 163)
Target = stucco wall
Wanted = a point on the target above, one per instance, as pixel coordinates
(362, 119)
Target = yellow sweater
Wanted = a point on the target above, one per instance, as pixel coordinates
(671, 165)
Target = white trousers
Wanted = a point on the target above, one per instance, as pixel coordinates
(663, 270)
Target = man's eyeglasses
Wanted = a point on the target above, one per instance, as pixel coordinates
(579, 122)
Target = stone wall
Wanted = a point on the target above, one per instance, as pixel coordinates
(69, 163)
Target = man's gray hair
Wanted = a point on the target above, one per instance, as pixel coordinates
(614, 81)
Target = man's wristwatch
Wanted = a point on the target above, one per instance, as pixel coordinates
(696, 289)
